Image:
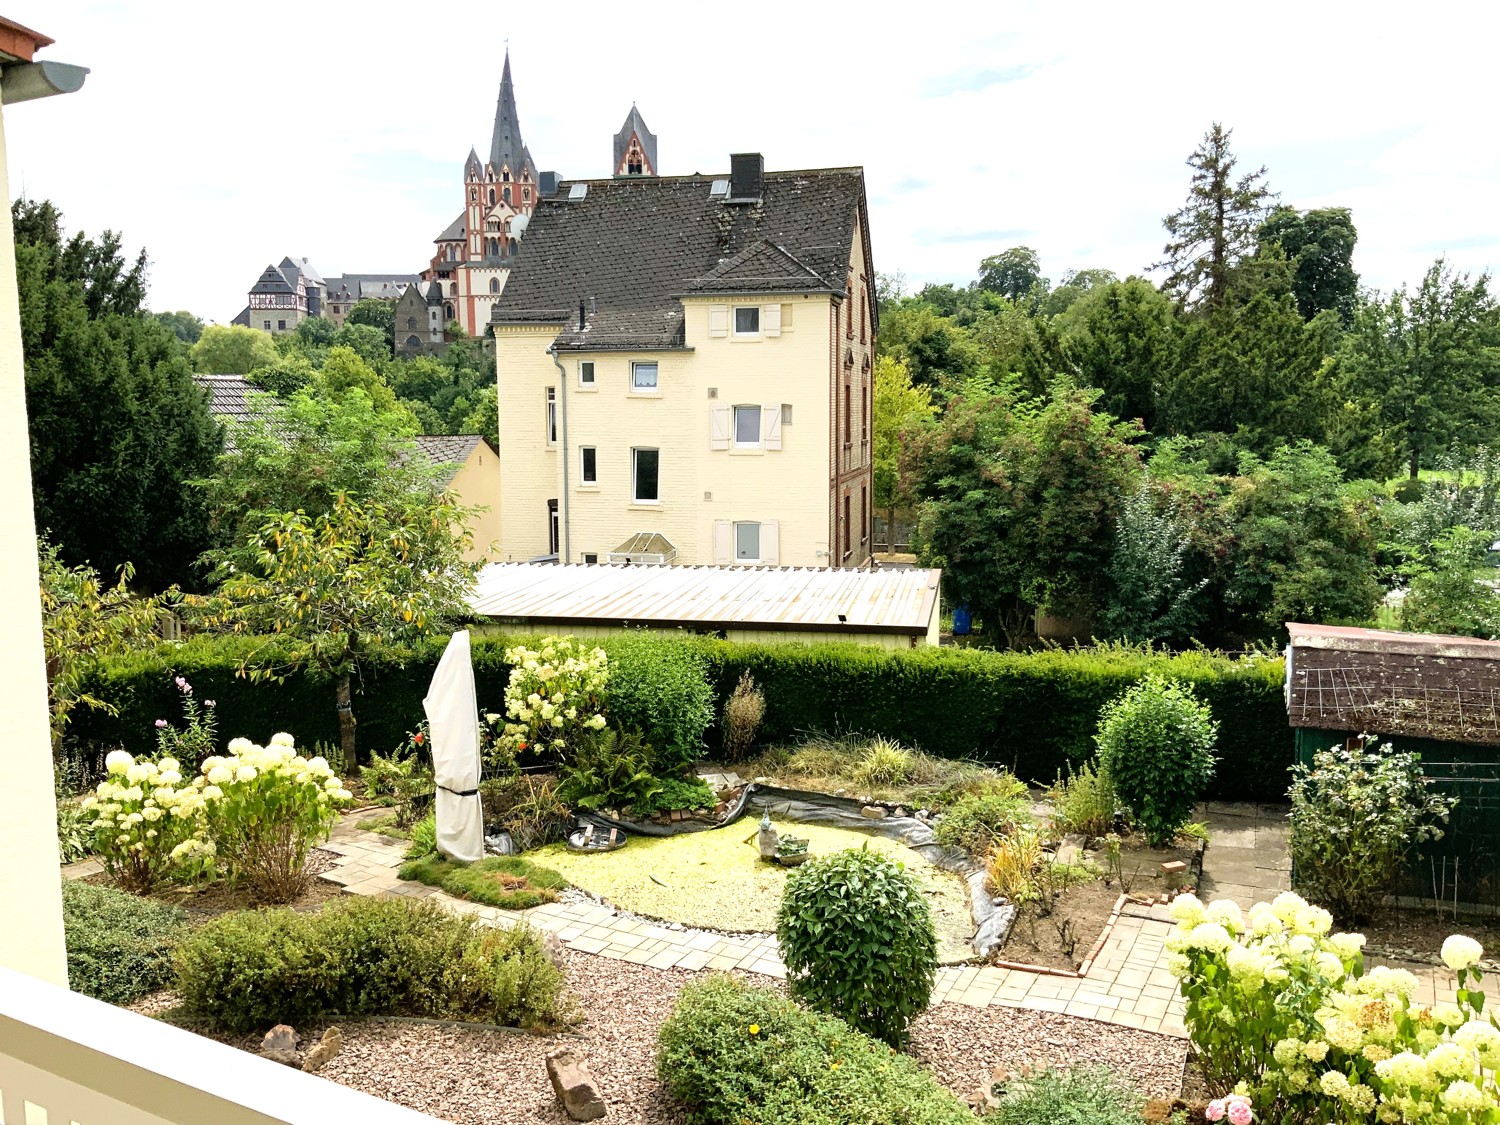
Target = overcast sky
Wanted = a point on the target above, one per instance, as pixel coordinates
(223, 136)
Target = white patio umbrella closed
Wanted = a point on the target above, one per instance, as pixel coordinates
(453, 720)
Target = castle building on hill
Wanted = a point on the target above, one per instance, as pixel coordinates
(476, 250)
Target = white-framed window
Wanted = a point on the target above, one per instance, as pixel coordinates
(551, 415)
(643, 376)
(747, 542)
(267, 323)
(747, 422)
(747, 320)
(588, 464)
(586, 374)
(590, 558)
(645, 475)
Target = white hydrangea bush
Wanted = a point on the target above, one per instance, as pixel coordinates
(267, 807)
(1282, 1010)
(148, 822)
(555, 693)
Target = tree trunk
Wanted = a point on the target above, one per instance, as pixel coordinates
(1416, 464)
(346, 721)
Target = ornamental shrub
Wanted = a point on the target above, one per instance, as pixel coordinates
(266, 808)
(359, 957)
(608, 770)
(1357, 813)
(658, 685)
(119, 945)
(555, 693)
(978, 821)
(743, 711)
(148, 824)
(1085, 802)
(730, 1053)
(677, 793)
(857, 937)
(1156, 743)
(1093, 1095)
(1281, 1008)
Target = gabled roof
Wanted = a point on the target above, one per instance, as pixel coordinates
(274, 279)
(449, 449)
(631, 247)
(506, 146)
(357, 286)
(453, 232)
(636, 124)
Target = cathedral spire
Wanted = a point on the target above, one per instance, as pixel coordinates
(506, 147)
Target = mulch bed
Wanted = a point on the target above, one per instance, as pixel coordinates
(1063, 938)
(1419, 933)
(203, 903)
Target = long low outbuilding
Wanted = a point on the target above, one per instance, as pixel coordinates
(897, 608)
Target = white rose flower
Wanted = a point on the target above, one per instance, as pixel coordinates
(1460, 952)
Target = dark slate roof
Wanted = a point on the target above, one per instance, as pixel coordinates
(631, 247)
(448, 449)
(242, 317)
(229, 401)
(506, 146)
(636, 124)
(351, 286)
(453, 232)
(274, 279)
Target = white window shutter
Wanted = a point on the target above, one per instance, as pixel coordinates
(718, 320)
(723, 542)
(718, 427)
(770, 320)
(770, 546)
(770, 427)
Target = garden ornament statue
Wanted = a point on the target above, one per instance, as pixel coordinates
(767, 838)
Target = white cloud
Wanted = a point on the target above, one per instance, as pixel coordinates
(223, 137)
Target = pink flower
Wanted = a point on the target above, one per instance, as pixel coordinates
(1215, 1110)
(161, 724)
(1239, 1110)
(184, 686)
(210, 704)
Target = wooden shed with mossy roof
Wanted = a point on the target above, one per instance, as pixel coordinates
(1437, 696)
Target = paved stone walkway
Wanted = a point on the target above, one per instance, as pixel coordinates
(1247, 858)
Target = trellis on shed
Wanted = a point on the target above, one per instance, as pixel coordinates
(1438, 696)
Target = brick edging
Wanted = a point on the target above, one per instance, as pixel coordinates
(1083, 966)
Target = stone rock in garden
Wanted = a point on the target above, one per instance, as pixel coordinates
(767, 838)
(574, 1085)
(323, 1050)
(1069, 854)
(1076, 839)
(553, 947)
(899, 812)
(999, 1076)
(872, 812)
(280, 1045)
(922, 814)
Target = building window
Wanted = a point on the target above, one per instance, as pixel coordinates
(747, 542)
(643, 376)
(747, 426)
(646, 475)
(411, 324)
(747, 321)
(281, 326)
(494, 285)
(551, 415)
(848, 414)
(846, 524)
(526, 195)
(864, 313)
(554, 540)
(590, 559)
(864, 414)
(506, 193)
(589, 458)
(849, 309)
(492, 197)
(448, 311)
(453, 289)
(586, 374)
(267, 324)
(413, 342)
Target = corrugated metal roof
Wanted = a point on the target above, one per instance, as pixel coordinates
(1347, 638)
(711, 597)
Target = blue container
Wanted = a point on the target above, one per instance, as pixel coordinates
(962, 623)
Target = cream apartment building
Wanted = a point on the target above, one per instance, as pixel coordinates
(684, 368)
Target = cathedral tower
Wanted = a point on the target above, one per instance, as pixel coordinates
(635, 147)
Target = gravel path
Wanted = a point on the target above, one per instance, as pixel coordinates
(494, 1078)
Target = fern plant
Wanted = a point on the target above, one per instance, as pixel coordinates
(608, 770)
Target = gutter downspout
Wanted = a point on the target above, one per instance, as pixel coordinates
(562, 382)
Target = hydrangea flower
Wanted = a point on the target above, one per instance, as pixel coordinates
(1461, 952)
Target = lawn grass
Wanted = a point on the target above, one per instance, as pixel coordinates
(505, 881)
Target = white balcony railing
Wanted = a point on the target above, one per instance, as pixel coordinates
(67, 1059)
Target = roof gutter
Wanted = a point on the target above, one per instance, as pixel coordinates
(567, 507)
(26, 82)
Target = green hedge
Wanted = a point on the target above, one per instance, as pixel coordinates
(1034, 713)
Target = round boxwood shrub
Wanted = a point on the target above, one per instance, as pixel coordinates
(858, 940)
(119, 945)
(1156, 743)
(658, 687)
(730, 1054)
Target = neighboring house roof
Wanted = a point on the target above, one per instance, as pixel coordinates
(1416, 684)
(632, 247)
(453, 232)
(449, 449)
(635, 123)
(243, 317)
(789, 599)
(358, 286)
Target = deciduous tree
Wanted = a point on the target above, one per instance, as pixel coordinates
(1015, 274)
(233, 349)
(1320, 245)
(900, 408)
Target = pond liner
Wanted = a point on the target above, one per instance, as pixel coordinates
(992, 917)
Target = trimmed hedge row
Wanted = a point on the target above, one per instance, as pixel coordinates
(1034, 713)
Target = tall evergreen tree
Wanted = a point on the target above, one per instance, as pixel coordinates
(117, 425)
(1216, 227)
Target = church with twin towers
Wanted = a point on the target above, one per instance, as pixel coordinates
(475, 252)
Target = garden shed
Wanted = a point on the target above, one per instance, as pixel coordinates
(1437, 696)
(895, 608)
